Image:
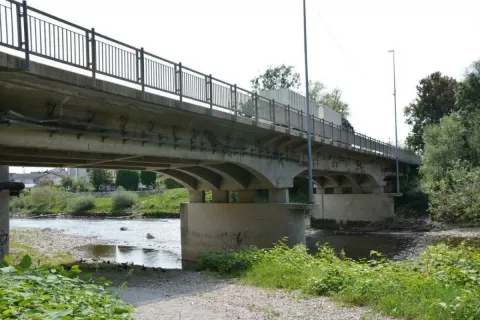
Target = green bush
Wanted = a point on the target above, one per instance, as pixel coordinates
(18, 203)
(122, 199)
(51, 292)
(442, 283)
(82, 204)
(43, 196)
(127, 179)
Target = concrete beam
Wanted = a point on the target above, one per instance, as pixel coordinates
(202, 174)
(232, 172)
(188, 181)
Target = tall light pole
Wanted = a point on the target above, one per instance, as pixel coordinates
(395, 106)
(309, 124)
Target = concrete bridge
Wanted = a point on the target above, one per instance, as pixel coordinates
(71, 97)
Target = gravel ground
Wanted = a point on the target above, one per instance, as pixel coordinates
(181, 294)
(49, 241)
(456, 233)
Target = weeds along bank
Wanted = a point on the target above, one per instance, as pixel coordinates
(442, 283)
(51, 200)
(52, 292)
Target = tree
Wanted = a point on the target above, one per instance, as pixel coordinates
(172, 184)
(99, 178)
(333, 100)
(316, 90)
(127, 179)
(281, 77)
(435, 99)
(44, 181)
(66, 182)
(148, 178)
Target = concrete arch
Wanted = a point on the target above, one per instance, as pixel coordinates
(186, 180)
(208, 177)
(232, 173)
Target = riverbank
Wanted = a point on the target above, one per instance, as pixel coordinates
(51, 202)
(179, 294)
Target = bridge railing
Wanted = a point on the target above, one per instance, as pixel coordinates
(38, 33)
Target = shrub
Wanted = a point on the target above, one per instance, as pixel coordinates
(18, 203)
(127, 179)
(122, 199)
(42, 196)
(82, 204)
(51, 292)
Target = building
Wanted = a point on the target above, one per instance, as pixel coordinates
(32, 179)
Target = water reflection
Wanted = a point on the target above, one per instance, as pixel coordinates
(130, 254)
(359, 246)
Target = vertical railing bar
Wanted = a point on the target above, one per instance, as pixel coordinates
(6, 24)
(142, 68)
(94, 56)
(87, 49)
(11, 25)
(44, 38)
(19, 27)
(256, 108)
(26, 35)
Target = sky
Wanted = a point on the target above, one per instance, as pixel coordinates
(348, 43)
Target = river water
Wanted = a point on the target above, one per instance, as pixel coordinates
(164, 249)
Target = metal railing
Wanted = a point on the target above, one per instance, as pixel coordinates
(38, 33)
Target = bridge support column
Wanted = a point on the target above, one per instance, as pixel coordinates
(246, 196)
(197, 196)
(4, 215)
(210, 227)
(278, 195)
(220, 196)
(334, 209)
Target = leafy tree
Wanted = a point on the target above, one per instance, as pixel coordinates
(67, 182)
(127, 179)
(435, 99)
(44, 181)
(281, 77)
(333, 100)
(80, 185)
(148, 178)
(99, 178)
(172, 184)
(468, 92)
(316, 90)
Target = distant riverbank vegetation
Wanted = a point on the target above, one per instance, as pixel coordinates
(51, 200)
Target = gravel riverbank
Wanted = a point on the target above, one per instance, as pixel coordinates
(181, 294)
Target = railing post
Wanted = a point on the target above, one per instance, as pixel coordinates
(273, 112)
(256, 107)
(94, 55)
(313, 126)
(209, 92)
(233, 97)
(287, 116)
(25, 40)
(142, 69)
(332, 129)
(301, 117)
(178, 80)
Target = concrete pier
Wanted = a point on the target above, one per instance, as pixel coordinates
(365, 207)
(210, 227)
(4, 215)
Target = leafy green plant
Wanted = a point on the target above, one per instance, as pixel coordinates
(52, 292)
(122, 199)
(442, 283)
(82, 204)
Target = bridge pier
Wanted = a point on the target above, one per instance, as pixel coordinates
(4, 215)
(338, 208)
(218, 226)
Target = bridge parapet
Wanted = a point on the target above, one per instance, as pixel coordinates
(34, 33)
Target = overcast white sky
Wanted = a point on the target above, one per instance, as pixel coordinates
(348, 42)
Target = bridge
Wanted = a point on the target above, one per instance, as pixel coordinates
(72, 97)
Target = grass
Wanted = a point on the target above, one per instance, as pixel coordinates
(18, 250)
(169, 202)
(442, 283)
(160, 204)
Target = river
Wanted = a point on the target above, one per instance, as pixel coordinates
(164, 250)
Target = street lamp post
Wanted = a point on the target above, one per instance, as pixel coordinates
(395, 107)
(309, 124)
